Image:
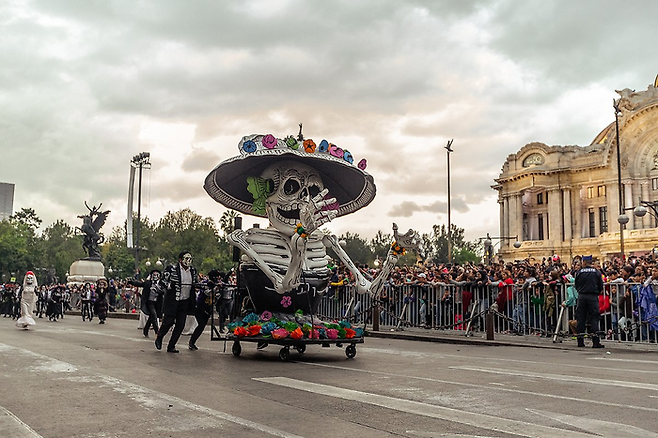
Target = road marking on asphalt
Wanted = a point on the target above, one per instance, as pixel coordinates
(478, 386)
(487, 422)
(560, 377)
(608, 359)
(407, 353)
(148, 398)
(14, 427)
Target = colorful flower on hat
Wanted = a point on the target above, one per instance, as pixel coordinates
(269, 141)
(363, 164)
(309, 146)
(249, 146)
(291, 142)
(324, 146)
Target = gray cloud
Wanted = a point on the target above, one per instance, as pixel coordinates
(393, 80)
(408, 208)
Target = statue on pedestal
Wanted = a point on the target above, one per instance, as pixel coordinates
(91, 225)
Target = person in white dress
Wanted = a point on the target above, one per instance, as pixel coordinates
(28, 300)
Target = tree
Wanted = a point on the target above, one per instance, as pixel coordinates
(27, 217)
(187, 230)
(436, 245)
(356, 247)
(227, 221)
(61, 247)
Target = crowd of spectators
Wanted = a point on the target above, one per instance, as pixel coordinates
(528, 292)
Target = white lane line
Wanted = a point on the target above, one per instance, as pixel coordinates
(560, 377)
(148, 398)
(14, 427)
(609, 359)
(424, 355)
(493, 388)
(487, 422)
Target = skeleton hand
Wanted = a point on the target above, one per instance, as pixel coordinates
(312, 215)
(409, 240)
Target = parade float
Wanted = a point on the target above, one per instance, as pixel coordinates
(298, 185)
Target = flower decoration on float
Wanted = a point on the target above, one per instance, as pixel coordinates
(398, 249)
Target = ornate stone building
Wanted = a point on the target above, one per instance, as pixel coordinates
(564, 200)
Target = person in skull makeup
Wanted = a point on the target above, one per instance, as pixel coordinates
(179, 284)
(151, 300)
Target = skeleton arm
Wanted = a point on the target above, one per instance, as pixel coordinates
(238, 238)
(402, 242)
(362, 284)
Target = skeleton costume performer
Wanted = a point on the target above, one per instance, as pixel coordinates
(299, 186)
(28, 301)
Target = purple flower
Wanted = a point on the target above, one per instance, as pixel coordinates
(269, 141)
(363, 164)
(266, 315)
(286, 301)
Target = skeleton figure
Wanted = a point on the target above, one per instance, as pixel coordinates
(28, 300)
(292, 248)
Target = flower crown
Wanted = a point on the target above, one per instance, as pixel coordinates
(264, 143)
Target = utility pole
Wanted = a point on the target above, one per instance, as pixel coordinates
(622, 219)
(448, 150)
(140, 161)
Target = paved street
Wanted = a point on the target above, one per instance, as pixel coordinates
(75, 379)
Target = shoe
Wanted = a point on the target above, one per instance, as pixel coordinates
(261, 345)
(172, 350)
(146, 335)
(598, 346)
(193, 347)
(158, 343)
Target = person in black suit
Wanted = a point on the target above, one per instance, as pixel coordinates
(151, 300)
(179, 283)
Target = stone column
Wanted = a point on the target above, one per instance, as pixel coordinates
(555, 216)
(632, 202)
(647, 220)
(506, 231)
(612, 202)
(567, 219)
(577, 214)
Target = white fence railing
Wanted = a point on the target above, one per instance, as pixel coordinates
(530, 311)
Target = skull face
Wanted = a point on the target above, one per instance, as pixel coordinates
(295, 184)
(30, 278)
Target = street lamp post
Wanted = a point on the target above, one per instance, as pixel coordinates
(141, 161)
(622, 219)
(448, 150)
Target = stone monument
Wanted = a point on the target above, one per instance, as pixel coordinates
(90, 268)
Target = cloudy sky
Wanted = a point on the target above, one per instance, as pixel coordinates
(86, 85)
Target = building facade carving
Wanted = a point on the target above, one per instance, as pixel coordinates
(564, 200)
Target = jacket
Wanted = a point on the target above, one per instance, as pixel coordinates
(171, 284)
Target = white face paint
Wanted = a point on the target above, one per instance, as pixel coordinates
(187, 260)
(155, 277)
(295, 185)
(29, 279)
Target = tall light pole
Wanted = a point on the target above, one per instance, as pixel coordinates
(622, 219)
(448, 150)
(140, 161)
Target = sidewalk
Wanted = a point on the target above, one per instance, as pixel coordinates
(507, 340)
(477, 338)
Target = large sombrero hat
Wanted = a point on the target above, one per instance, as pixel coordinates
(352, 187)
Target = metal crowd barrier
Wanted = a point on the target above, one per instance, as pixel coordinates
(460, 308)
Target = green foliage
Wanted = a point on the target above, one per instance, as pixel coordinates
(356, 247)
(435, 245)
(61, 247)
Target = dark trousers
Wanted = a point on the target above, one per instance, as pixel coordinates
(153, 318)
(201, 320)
(176, 320)
(587, 312)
